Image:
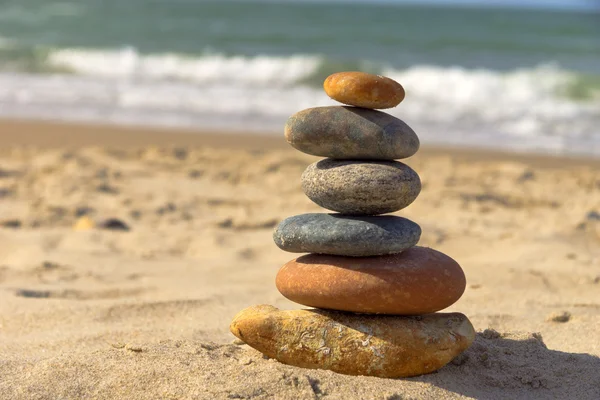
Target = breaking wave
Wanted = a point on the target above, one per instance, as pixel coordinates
(546, 107)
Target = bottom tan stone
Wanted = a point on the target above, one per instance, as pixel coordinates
(355, 344)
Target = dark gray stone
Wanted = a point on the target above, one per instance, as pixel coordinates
(114, 224)
(341, 235)
(350, 133)
(361, 187)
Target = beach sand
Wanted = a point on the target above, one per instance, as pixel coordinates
(144, 314)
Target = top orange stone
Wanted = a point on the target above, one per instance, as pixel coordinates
(364, 90)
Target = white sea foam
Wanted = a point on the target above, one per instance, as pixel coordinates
(522, 109)
(526, 102)
(212, 68)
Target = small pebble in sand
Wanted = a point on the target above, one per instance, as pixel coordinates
(113, 224)
(136, 348)
(11, 223)
(593, 216)
(84, 223)
(561, 317)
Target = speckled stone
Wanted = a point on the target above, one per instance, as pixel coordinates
(350, 133)
(381, 346)
(345, 235)
(361, 187)
(417, 281)
(364, 90)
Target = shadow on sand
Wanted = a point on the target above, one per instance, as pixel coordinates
(518, 366)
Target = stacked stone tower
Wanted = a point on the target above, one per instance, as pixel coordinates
(375, 293)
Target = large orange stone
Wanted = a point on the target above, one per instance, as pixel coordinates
(364, 90)
(417, 281)
(385, 346)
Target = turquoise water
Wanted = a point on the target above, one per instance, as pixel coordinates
(523, 79)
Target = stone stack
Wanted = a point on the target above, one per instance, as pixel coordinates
(375, 293)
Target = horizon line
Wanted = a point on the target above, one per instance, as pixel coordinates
(581, 6)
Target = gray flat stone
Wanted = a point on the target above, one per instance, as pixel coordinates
(350, 133)
(361, 187)
(345, 235)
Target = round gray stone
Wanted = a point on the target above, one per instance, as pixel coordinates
(350, 133)
(361, 187)
(341, 235)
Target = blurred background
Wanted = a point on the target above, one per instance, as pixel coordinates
(518, 75)
(126, 249)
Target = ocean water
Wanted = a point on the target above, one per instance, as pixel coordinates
(522, 80)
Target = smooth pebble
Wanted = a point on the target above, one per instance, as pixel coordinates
(350, 133)
(346, 235)
(361, 187)
(361, 89)
(417, 281)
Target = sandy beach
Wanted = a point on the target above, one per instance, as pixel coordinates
(141, 309)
